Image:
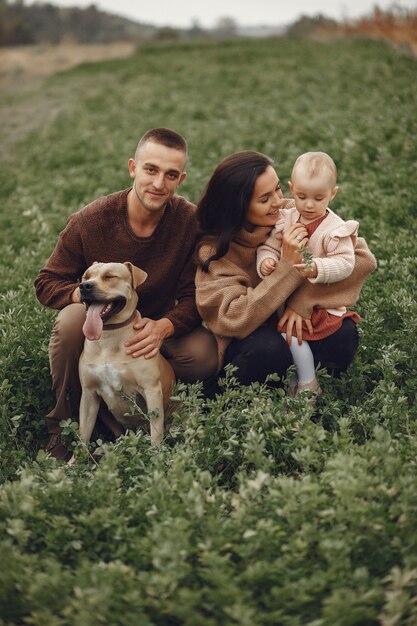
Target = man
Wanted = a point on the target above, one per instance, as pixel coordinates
(153, 228)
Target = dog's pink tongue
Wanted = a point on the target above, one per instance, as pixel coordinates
(93, 325)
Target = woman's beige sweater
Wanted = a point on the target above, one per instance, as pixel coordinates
(233, 301)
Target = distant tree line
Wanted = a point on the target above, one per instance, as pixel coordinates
(307, 26)
(44, 22)
(22, 24)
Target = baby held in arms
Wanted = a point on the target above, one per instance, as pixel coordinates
(326, 253)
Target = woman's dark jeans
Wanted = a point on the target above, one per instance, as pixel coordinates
(265, 352)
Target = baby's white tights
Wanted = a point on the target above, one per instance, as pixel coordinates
(303, 359)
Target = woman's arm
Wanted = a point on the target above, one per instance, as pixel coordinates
(232, 302)
(231, 306)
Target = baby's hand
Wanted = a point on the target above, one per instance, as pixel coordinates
(267, 267)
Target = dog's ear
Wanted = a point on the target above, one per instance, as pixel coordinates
(138, 275)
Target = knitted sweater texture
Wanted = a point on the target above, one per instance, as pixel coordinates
(332, 245)
(234, 301)
(100, 232)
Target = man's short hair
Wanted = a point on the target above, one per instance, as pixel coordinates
(164, 136)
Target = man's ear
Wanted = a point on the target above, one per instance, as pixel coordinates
(138, 275)
(132, 168)
(182, 178)
(334, 192)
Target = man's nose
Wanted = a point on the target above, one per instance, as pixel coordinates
(158, 181)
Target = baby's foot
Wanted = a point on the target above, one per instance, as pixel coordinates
(313, 387)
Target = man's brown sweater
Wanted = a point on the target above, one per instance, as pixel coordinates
(100, 232)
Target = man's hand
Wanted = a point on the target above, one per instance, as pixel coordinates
(149, 338)
(290, 318)
(75, 296)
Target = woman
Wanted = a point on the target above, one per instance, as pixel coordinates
(236, 213)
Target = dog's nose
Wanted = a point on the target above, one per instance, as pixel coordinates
(86, 287)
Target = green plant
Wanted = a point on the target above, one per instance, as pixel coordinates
(257, 508)
(307, 257)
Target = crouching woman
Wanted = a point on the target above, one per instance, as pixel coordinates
(236, 213)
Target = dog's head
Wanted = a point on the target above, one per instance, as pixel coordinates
(108, 291)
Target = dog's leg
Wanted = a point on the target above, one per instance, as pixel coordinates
(155, 404)
(89, 406)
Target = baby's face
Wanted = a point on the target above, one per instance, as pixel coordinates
(312, 194)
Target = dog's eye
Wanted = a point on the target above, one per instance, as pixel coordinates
(109, 276)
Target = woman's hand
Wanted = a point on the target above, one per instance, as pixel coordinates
(308, 271)
(292, 241)
(290, 318)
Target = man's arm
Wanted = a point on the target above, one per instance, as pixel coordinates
(57, 282)
(185, 316)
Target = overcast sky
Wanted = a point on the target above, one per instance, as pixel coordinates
(181, 13)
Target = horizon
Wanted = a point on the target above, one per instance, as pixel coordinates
(272, 13)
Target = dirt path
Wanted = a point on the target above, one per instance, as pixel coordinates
(23, 64)
(26, 103)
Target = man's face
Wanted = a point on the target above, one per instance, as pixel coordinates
(157, 173)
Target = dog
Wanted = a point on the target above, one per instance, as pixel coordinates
(108, 291)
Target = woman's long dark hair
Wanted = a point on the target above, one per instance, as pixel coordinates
(222, 210)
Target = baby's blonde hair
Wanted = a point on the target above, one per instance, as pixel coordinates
(314, 163)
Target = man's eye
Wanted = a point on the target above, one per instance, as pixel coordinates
(151, 170)
(172, 176)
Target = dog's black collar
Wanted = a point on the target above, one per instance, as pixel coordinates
(122, 324)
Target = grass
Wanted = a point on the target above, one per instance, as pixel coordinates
(251, 513)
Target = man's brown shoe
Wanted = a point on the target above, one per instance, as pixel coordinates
(57, 447)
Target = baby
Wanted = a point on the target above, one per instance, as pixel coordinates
(328, 253)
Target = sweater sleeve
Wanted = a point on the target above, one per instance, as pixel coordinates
(343, 293)
(231, 307)
(339, 246)
(271, 249)
(185, 316)
(61, 273)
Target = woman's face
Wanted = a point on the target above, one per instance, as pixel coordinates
(266, 200)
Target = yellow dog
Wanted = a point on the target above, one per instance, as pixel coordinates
(108, 291)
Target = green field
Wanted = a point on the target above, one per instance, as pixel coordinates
(251, 513)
